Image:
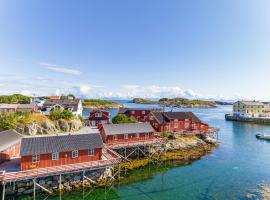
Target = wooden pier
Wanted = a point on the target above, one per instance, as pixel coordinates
(109, 159)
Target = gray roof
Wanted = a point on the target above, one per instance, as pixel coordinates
(66, 103)
(60, 143)
(5, 105)
(9, 138)
(114, 129)
(253, 103)
(167, 116)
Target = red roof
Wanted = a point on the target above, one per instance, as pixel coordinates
(54, 97)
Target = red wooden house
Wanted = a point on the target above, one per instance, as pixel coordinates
(176, 121)
(122, 133)
(98, 116)
(138, 113)
(47, 151)
(10, 142)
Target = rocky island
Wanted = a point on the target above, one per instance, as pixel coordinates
(177, 102)
(100, 104)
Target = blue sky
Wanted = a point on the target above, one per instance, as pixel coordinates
(143, 48)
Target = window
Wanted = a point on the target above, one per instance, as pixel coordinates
(126, 136)
(98, 115)
(75, 154)
(55, 156)
(35, 158)
(132, 112)
(146, 135)
(175, 123)
(114, 137)
(137, 135)
(143, 112)
(91, 152)
(186, 125)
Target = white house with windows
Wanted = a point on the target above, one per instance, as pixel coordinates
(73, 105)
(251, 109)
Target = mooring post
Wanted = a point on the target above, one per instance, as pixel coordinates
(60, 184)
(4, 191)
(14, 185)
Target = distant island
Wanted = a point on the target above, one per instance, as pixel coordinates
(177, 102)
(100, 104)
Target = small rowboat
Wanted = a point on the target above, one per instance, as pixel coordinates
(263, 136)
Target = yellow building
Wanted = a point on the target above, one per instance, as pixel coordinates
(251, 109)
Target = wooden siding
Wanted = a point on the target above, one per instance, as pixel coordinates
(120, 138)
(178, 125)
(64, 159)
(11, 152)
(140, 115)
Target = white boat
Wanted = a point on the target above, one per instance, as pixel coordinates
(263, 136)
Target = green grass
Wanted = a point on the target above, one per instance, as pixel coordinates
(98, 102)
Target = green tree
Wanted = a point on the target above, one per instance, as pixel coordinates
(122, 119)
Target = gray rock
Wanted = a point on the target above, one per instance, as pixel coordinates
(63, 125)
(21, 190)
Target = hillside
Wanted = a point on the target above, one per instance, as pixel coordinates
(143, 101)
(100, 104)
(15, 98)
(177, 102)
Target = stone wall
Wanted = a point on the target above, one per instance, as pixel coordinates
(70, 182)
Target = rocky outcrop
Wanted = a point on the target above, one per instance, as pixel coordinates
(49, 127)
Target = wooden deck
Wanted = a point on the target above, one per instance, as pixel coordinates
(108, 159)
(120, 145)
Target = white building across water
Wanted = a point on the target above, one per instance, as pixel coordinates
(251, 109)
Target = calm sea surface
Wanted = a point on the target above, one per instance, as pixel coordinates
(235, 168)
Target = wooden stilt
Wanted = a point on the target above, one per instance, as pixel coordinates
(60, 185)
(34, 188)
(4, 191)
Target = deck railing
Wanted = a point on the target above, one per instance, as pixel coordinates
(133, 143)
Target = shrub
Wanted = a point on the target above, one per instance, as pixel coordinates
(122, 119)
(168, 135)
(61, 114)
(8, 121)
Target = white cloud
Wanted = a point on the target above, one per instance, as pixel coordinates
(59, 69)
(150, 92)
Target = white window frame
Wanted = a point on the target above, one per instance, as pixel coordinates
(98, 114)
(36, 158)
(133, 112)
(75, 154)
(137, 135)
(91, 152)
(143, 112)
(175, 123)
(55, 156)
(114, 137)
(126, 136)
(146, 135)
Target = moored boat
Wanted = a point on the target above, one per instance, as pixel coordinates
(263, 136)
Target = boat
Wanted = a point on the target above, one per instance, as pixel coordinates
(263, 136)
